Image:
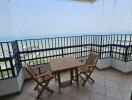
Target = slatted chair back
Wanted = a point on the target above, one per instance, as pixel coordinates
(91, 62)
(92, 59)
(30, 71)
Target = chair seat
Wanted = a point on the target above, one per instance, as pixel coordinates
(46, 77)
(83, 69)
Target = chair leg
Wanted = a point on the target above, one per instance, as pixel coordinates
(92, 80)
(85, 81)
(55, 78)
(36, 86)
(71, 76)
(87, 78)
(48, 89)
(40, 92)
(82, 78)
(43, 87)
(76, 75)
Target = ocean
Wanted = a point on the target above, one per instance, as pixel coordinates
(6, 38)
(21, 36)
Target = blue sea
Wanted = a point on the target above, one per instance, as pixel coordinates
(6, 38)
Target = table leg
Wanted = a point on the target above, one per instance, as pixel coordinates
(71, 75)
(59, 80)
(76, 75)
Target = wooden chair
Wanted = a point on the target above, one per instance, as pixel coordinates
(42, 79)
(88, 68)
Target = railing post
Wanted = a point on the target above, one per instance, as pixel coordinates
(16, 56)
(62, 52)
(111, 51)
(91, 44)
(100, 48)
(111, 45)
(81, 46)
(12, 67)
(126, 55)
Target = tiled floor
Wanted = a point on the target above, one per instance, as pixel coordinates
(109, 85)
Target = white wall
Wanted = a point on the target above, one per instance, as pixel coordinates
(104, 63)
(25, 74)
(115, 63)
(129, 66)
(8, 86)
(119, 65)
(20, 79)
(11, 85)
(122, 66)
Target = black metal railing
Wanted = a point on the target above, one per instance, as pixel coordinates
(6, 61)
(38, 51)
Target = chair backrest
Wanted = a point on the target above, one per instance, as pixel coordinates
(92, 59)
(29, 70)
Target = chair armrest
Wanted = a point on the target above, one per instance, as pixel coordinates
(90, 65)
(38, 67)
(42, 75)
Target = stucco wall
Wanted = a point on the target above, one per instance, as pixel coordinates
(104, 63)
(11, 85)
(115, 63)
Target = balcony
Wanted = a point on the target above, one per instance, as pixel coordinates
(109, 85)
(112, 76)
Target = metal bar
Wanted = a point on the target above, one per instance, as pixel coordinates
(100, 47)
(11, 63)
(46, 47)
(4, 58)
(35, 49)
(42, 48)
(31, 50)
(76, 46)
(81, 46)
(39, 51)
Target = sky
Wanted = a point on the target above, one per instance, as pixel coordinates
(66, 17)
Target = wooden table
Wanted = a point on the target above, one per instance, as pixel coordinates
(60, 65)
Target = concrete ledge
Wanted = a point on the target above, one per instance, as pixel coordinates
(119, 65)
(122, 66)
(104, 63)
(11, 85)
